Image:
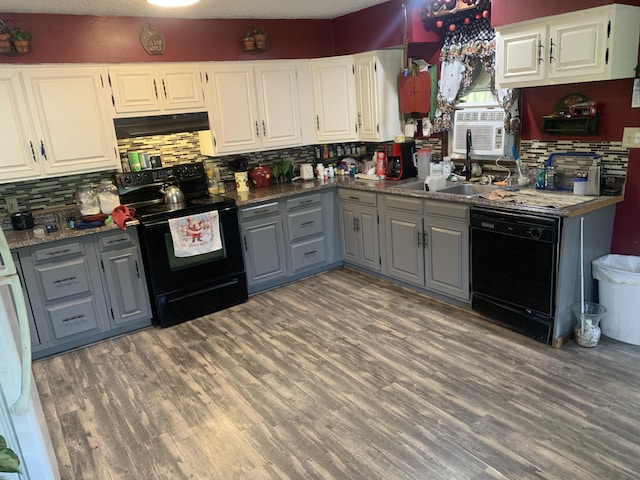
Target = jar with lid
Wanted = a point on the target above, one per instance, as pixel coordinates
(87, 200)
(108, 196)
(550, 178)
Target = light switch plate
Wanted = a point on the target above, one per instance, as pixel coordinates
(631, 137)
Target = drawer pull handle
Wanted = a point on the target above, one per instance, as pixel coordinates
(354, 198)
(118, 240)
(137, 269)
(310, 222)
(58, 252)
(312, 252)
(65, 280)
(75, 317)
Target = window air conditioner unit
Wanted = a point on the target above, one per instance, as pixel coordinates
(487, 131)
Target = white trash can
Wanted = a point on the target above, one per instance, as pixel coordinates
(619, 291)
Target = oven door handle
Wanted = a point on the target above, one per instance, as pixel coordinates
(165, 222)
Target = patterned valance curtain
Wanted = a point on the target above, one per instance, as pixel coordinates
(467, 48)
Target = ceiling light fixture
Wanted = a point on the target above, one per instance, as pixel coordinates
(172, 3)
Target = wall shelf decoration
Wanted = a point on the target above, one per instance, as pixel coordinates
(574, 114)
(254, 40)
(14, 40)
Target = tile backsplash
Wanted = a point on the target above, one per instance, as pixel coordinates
(180, 148)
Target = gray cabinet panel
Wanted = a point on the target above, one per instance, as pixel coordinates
(368, 231)
(405, 255)
(304, 223)
(349, 241)
(72, 318)
(264, 243)
(61, 280)
(308, 253)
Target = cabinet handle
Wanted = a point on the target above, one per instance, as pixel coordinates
(75, 317)
(257, 130)
(33, 151)
(43, 152)
(318, 122)
(354, 198)
(306, 224)
(419, 239)
(164, 88)
(425, 240)
(359, 119)
(312, 252)
(59, 252)
(137, 269)
(356, 224)
(246, 247)
(264, 129)
(540, 47)
(155, 87)
(111, 242)
(65, 280)
(551, 59)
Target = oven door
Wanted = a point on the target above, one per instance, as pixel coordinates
(168, 273)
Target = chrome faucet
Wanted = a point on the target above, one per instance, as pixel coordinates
(468, 166)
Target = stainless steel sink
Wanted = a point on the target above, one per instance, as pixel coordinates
(468, 189)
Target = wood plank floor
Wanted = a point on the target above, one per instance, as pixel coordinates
(342, 376)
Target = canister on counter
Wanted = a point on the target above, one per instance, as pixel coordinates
(134, 161)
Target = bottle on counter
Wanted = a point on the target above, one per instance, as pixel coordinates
(550, 178)
(108, 196)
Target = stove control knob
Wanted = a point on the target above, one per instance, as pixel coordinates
(127, 180)
(536, 233)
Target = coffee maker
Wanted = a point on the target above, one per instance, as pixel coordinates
(401, 160)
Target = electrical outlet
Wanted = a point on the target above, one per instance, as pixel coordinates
(631, 137)
(12, 204)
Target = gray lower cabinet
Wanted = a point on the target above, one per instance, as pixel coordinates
(264, 243)
(426, 243)
(289, 239)
(358, 213)
(446, 241)
(74, 300)
(124, 278)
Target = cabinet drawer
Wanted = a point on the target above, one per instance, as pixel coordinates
(447, 209)
(307, 254)
(367, 198)
(408, 204)
(305, 223)
(64, 279)
(116, 240)
(305, 201)
(259, 211)
(73, 318)
(57, 251)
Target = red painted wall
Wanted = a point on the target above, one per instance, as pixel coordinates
(85, 39)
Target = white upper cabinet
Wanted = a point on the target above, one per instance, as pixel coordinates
(17, 137)
(255, 105)
(67, 129)
(356, 96)
(378, 107)
(156, 89)
(334, 98)
(589, 45)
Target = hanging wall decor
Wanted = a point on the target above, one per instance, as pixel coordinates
(449, 15)
(254, 40)
(152, 41)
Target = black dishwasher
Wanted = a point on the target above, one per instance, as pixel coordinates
(513, 269)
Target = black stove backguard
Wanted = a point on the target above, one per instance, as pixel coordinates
(184, 288)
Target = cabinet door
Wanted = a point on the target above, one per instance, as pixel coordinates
(264, 244)
(181, 88)
(369, 243)
(367, 97)
(405, 254)
(521, 55)
(125, 284)
(234, 110)
(447, 256)
(75, 130)
(278, 102)
(334, 98)
(135, 89)
(577, 47)
(19, 159)
(348, 240)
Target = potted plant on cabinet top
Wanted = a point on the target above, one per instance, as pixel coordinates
(21, 40)
(9, 462)
(248, 42)
(5, 38)
(260, 35)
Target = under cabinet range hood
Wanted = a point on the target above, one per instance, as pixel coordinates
(161, 124)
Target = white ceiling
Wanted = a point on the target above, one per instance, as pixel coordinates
(204, 9)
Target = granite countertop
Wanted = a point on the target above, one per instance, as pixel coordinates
(528, 201)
